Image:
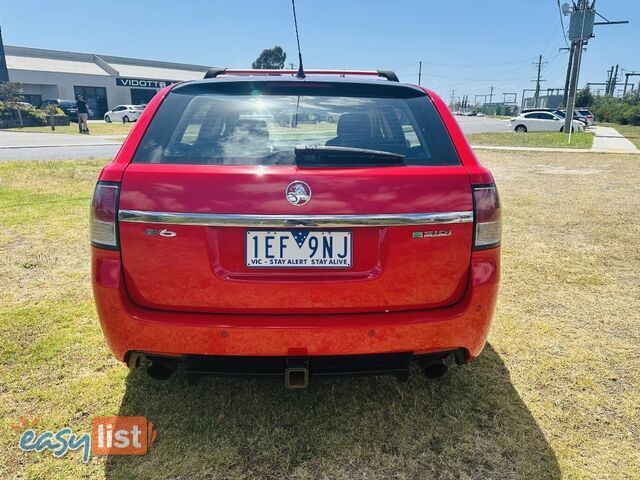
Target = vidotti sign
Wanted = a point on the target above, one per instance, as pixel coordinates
(142, 82)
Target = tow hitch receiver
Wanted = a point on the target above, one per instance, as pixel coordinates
(296, 374)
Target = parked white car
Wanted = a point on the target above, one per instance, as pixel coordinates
(124, 113)
(586, 116)
(542, 122)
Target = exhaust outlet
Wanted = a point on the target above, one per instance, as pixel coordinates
(161, 369)
(434, 369)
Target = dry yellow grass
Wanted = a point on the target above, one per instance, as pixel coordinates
(554, 395)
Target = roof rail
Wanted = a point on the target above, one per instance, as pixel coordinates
(388, 74)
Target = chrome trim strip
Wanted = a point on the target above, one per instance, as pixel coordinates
(279, 221)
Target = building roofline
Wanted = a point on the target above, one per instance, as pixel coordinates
(91, 57)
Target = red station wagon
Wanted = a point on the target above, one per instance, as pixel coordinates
(258, 223)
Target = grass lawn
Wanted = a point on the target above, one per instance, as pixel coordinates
(632, 132)
(555, 394)
(532, 139)
(98, 128)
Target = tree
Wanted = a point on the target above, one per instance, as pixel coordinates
(584, 98)
(10, 94)
(270, 58)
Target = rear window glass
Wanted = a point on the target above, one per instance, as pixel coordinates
(260, 123)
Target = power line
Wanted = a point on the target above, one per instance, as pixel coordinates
(476, 65)
(555, 29)
(457, 65)
(490, 77)
(564, 34)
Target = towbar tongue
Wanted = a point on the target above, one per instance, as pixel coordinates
(296, 373)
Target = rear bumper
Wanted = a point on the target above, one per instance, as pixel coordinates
(130, 328)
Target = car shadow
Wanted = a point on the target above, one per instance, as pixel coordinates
(469, 424)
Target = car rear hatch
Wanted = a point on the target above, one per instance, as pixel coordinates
(218, 213)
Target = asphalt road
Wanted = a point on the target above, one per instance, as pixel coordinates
(49, 146)
(481, 124)
(54, 146)
(58, 153)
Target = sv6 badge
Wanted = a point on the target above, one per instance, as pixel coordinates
(162, 233)
(431, 233)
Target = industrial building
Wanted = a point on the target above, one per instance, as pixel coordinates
(105, 81)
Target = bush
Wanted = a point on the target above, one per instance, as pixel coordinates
(30, 115)
(624, 110)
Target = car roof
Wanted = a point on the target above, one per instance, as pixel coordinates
(346, 79)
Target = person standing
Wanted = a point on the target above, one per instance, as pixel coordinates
(83, 114)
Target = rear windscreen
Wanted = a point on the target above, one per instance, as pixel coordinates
(260, 123)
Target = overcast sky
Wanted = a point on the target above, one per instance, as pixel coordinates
(468, 45)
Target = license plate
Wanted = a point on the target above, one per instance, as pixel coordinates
(298, 249)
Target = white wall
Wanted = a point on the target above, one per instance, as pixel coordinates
(44, 83)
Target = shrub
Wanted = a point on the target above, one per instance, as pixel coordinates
(623, 110)
(30, 115)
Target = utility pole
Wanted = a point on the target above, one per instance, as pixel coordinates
(626, 82)
(614, 81)
(491, 95)
(580, 30)
(453, 95)
(567, 78)
(571, 94)
(539, 66)
(581, 26)
(420, 73)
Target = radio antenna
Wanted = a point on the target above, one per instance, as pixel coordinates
(300, 73)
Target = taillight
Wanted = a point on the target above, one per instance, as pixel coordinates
(104, 211)
(488, 224)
